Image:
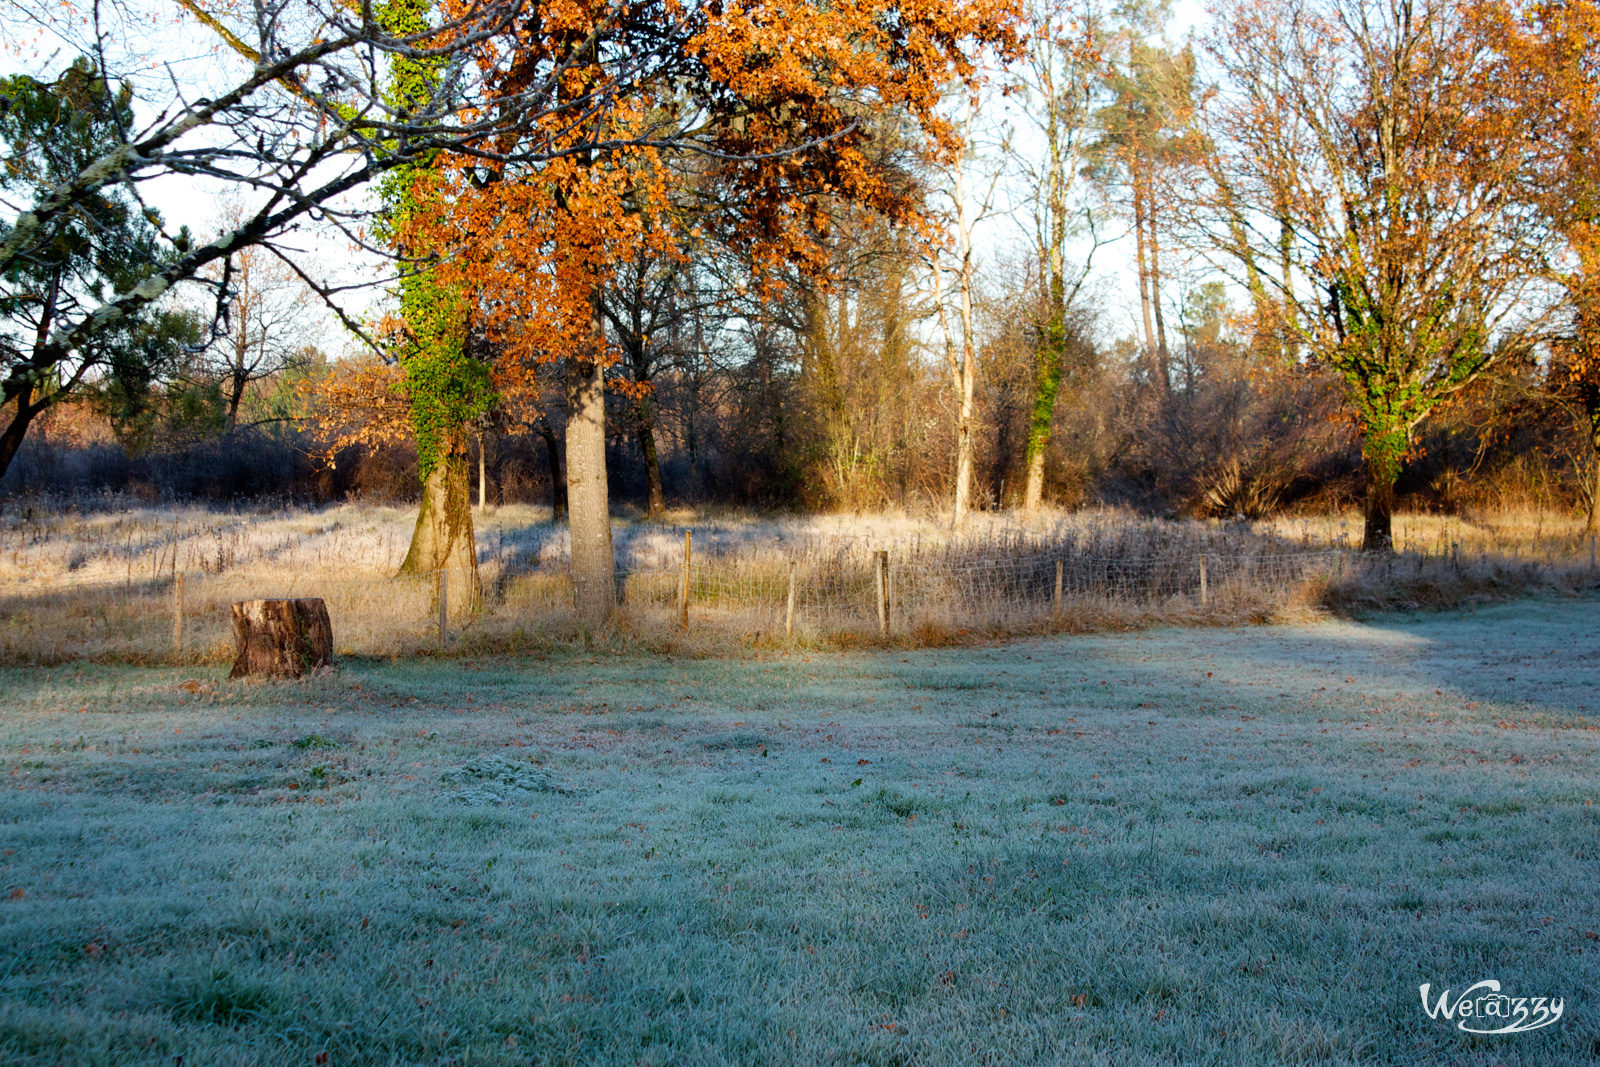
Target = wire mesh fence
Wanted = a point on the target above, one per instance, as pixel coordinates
(801, 592)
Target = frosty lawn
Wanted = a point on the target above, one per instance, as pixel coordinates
(1244, 846)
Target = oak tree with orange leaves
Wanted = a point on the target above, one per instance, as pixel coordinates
(1547, 76)
(772, 102)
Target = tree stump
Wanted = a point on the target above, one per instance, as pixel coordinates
(281, 638)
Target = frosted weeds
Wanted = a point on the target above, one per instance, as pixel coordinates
(43, 546)
(495, 779)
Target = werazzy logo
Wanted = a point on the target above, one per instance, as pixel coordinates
(1483, 1009)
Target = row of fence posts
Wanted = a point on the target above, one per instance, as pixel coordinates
(883, 591)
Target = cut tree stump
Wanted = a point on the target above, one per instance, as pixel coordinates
(281, 638)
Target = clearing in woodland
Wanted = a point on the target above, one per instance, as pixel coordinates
(1240, 846)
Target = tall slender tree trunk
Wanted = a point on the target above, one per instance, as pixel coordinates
(962, 364)
(964, 370)
(594, 575)
(558, 478)
(235, 398)
(691, 410)
(644, 423)
(443, 538)
(1163, 356)
(646, 432)
(483, 477)
(1286, 272)
(1591, 410)
(963, 501)
(238, 373)
(1050, 356)
(1041, 420)
(1143, 265)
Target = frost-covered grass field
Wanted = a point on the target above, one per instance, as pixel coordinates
(1175, 846)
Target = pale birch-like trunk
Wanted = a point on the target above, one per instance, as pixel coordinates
(961, 355)
(594, 575)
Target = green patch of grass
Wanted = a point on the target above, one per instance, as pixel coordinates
(220, 999)
(1504, 806)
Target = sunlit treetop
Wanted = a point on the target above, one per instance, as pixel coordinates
(770, 111)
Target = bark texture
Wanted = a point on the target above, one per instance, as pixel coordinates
(443, 538)
(646, 433)
(1379, 533)
(558, 479)
(594, 578)
(281, 638)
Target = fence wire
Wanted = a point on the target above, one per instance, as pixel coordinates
(804, 591)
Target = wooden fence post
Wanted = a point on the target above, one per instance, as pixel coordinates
(1055, 603)
(1205, 597)
(882, 586)
(442, 589)
(683, 593)
(177, 613)
(788, 611)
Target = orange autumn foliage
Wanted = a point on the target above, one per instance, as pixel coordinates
(764, 112)
(1548, 78)
(357, 401)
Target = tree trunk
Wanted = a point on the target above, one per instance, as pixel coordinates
(17, 428)
(235, 398)
(1379, 534)
(558, 478)
(1163, 357)
(963, 365)
(238, 373)
(443, 538)
(1144, 267)
(1041, 420)
(281, 638)
(1591, 409)
(1033, 488)
(483, 477)
(963, 502)
(594, 576)
(646, 432)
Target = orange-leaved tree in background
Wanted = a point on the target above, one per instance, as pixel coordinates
(1362, 128)
(768, 106)
(1548, 75)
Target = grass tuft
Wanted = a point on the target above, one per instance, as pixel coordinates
(219, 998)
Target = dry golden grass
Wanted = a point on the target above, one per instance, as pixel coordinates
(103, 586)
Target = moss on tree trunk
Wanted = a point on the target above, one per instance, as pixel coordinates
(443, 538)
(1379, 525)
(1048, 363)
